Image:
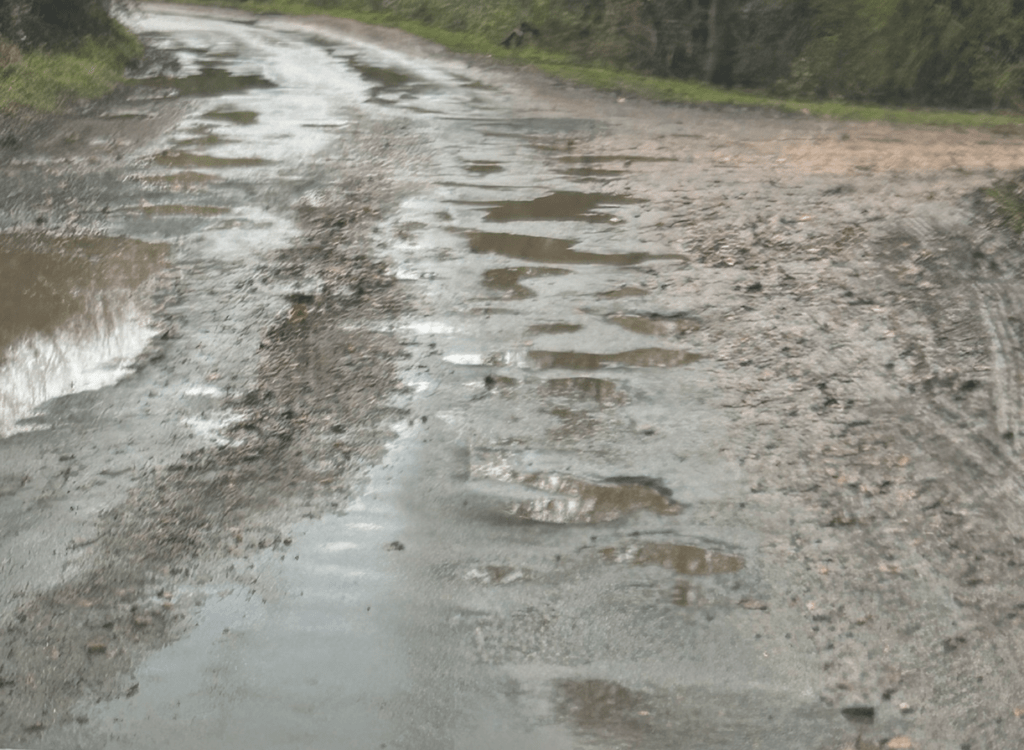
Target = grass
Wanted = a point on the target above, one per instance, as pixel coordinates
(1009, 200)
(43, 81)
(626, 83)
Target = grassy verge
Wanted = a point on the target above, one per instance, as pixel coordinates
(43, 81)
(632, 84)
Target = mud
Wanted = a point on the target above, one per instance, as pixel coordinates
(734, 463)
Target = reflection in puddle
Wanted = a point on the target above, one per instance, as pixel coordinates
(553, 328)
(604, 392)
(682, 558)
(239, 117)
(549, 250)
(622, 292)
(601, 706)
(654, 324)
(209, 82)
(564, 205)
(652, 357)
(497, 574)
(507, 279)
(72, 316)
(384, 80)
(572, 500)
(188, 159)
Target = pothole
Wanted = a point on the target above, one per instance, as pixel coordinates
(655, 324)
(508, 280)
(189, 159)
(684, 559)
(550, 250)
(569, 499)
(602, 392)
(562, 205)
(236, 116)
(651, 357)
(209, 81)
(623, 292)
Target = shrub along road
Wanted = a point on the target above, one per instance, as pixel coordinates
(484, 411)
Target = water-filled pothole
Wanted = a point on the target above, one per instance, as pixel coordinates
(236, 116)
(550, 250)
(508, 280)
(209, 81)
(603, 392)
(569, 499)
(189, 159)
(72, 315)
(178, 209)
(623, 292)
(483, 167)
(682, 558)
(553, 328)
(651, 357)
(602, 707)
(563, 205)
(655, 324)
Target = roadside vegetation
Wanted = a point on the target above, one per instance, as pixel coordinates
(945, 62)
(55, 50)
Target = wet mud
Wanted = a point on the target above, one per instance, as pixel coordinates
(549, 250)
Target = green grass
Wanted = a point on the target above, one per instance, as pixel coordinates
(44, 81)
(1009, 200)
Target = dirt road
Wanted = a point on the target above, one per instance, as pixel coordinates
(357, 394)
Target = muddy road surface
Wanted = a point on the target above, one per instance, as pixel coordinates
(356, 394)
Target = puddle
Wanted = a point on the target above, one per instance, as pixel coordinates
(186, 177)
(654, 324)
(497, 574)
(208, 82)
(591, 172)
(571, 500)
(73, 316)
(484, 167)
(603, 392)
(653, 357)
(573, 423)
(237, 116)
(553, 328)
(549, 250)
(508, 279)
(188, 159)
(606, 158)
(564, 205)
(182, 210)
(209, 139)
(601, 706)
(682, 558)
(384, 80)
(623, 292)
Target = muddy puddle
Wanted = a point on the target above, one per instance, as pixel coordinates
(573, 500)
(623, 293)
(74, 313)
(651, 357)
(600, 707)
(177, 209)
(186, 159)
(483, 167)
(384, 80)
(235, 116)
(591, 172)
(209, 81)
(655, 324)
(550, 250)
(508, 280)
(624, 159)
(602, 392)
(684, 559)
(562, 205)
(553, 328)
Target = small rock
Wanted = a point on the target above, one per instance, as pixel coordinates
(753, 604)
(860, 714)
(395, 546)
(96, 648)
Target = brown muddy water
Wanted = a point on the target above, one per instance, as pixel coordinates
(562, 205)
(74, 313)
(550, 250)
